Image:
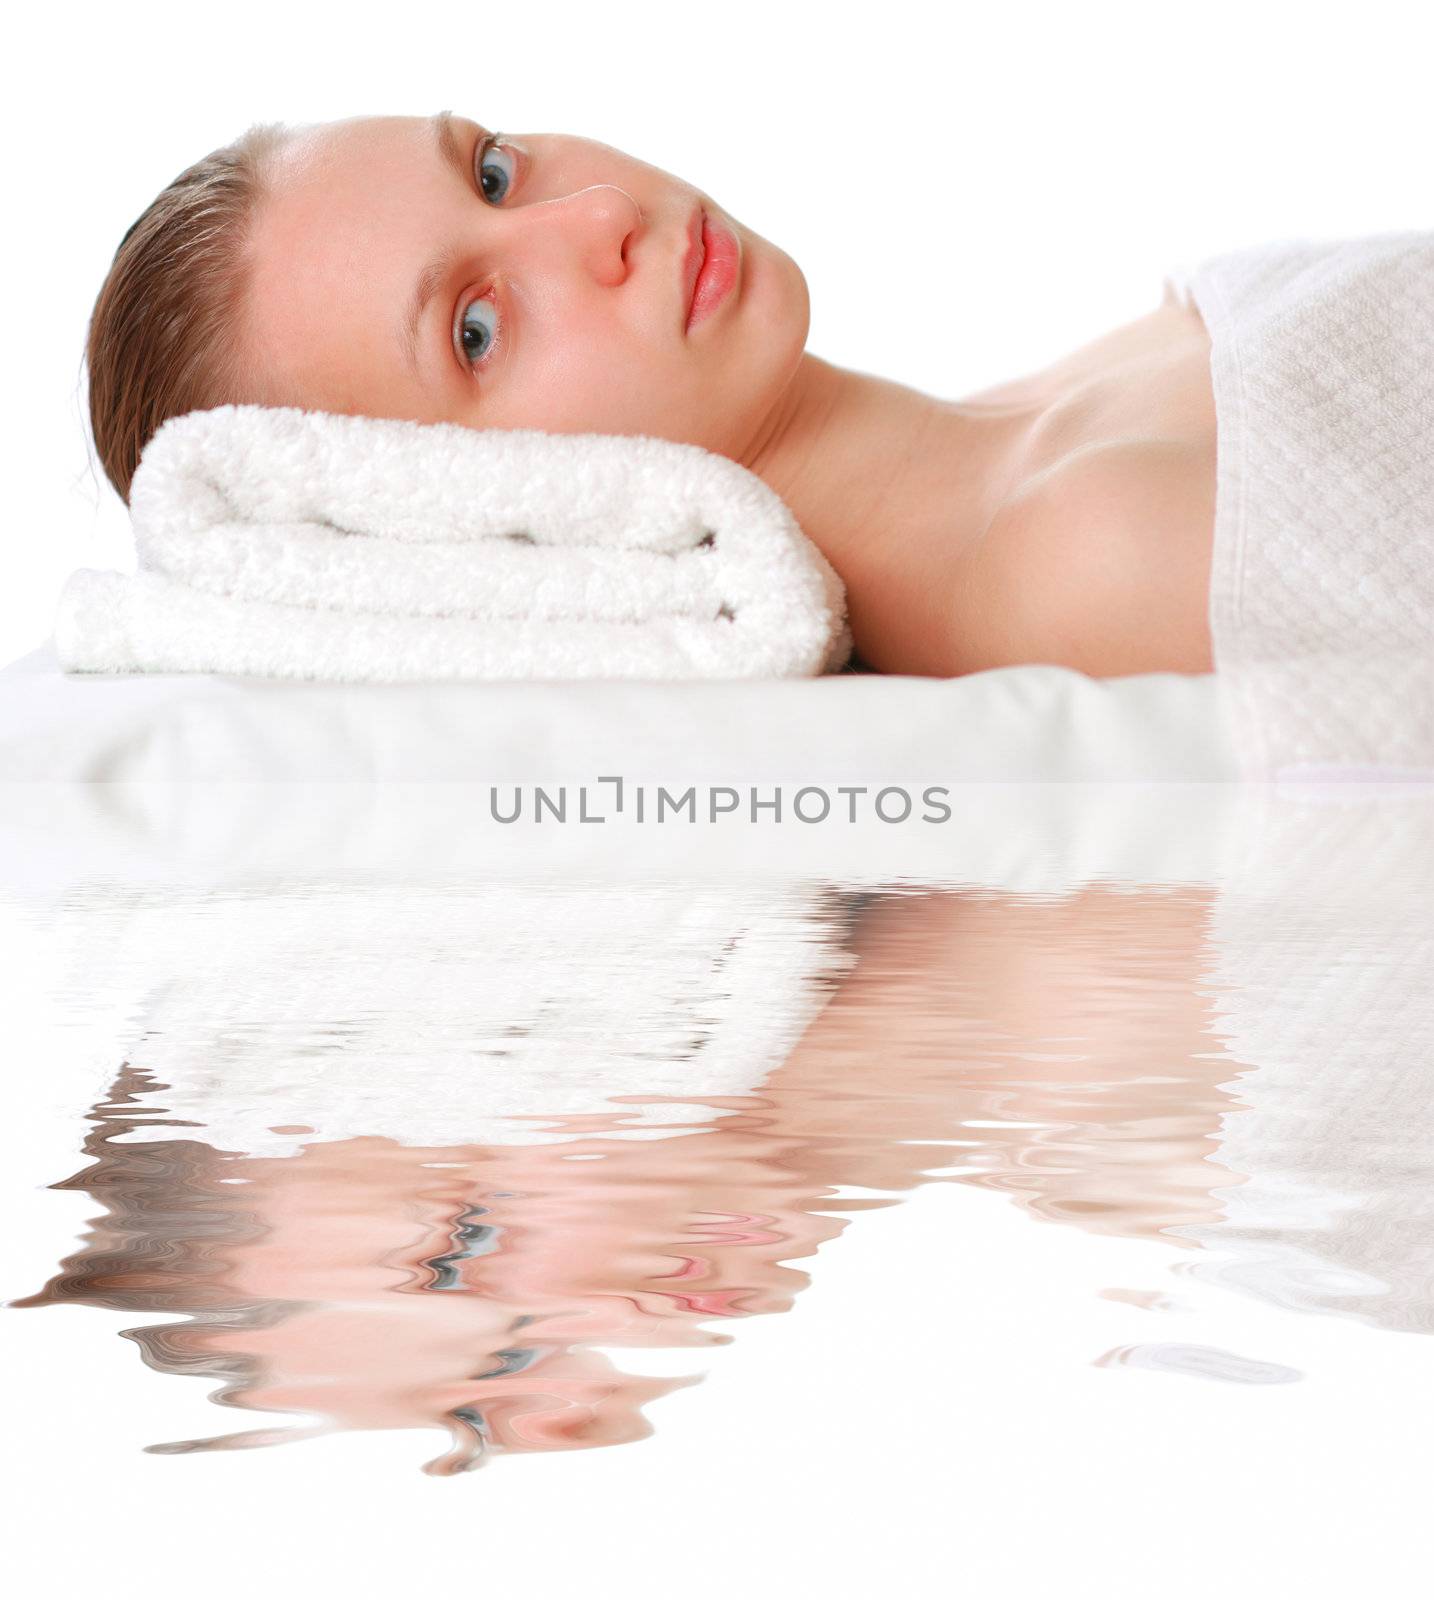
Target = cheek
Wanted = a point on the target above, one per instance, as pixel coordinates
(565, 388)
(586, 372)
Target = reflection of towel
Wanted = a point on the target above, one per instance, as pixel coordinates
(1323, 973)
(434, 1015)
(1322, 584)
(296, 544)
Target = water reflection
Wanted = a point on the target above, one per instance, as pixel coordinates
(417, 1155)
(1322, 971)
(1007, 1036)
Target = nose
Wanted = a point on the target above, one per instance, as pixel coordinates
(595, 225)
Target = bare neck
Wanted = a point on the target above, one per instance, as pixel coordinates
(891, 485)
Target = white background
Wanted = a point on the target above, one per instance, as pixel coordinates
(971, 190)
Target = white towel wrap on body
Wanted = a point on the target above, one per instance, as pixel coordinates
(1322, 583)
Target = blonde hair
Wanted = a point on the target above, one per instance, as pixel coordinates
(164, 335)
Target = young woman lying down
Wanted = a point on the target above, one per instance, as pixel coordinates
(428, 269)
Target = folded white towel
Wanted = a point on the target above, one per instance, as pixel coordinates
(289, 543)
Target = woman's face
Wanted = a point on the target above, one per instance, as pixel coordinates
(560, 281)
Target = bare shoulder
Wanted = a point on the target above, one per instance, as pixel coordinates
(1102, 564)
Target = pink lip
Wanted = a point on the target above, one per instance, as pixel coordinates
(710, 267)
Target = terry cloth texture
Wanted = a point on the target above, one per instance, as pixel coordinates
(298, 544)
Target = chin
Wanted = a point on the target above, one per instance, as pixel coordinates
(799, 315)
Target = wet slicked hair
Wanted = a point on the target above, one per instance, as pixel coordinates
(165, 333)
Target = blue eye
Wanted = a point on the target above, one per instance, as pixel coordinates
(487, 147)
(476, 338)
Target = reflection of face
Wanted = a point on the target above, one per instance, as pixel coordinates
(628, 1245)
(561, 302)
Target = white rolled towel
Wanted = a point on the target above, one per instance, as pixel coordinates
(303, 544)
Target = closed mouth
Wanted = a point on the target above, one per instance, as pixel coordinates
(692, 261)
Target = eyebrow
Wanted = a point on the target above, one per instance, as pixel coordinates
(443, 132)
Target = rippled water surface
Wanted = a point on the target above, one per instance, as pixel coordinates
(817, 1217)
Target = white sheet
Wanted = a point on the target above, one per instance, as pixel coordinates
(1011, 724)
